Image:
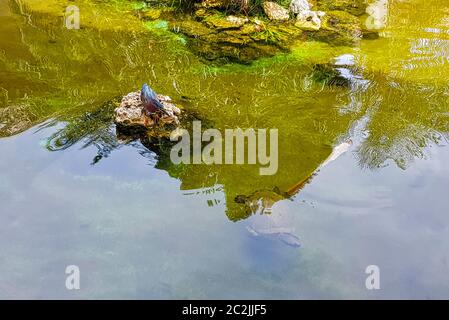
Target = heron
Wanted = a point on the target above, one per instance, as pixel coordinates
(151, 103)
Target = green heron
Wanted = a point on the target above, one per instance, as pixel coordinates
(151, 102)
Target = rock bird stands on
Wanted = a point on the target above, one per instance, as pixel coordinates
(151, 103)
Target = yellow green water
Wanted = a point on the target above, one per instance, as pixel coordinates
(142, 227)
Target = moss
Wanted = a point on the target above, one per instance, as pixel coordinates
(230, 52)
(157, 25)
(279, 35)
(152, 13)
(201, 13)
(233, 37)
(222, 22)
(264, 50)
(138, 5)
(208, 43)
(284, 3)
(354, 7)
(288, 34)
(250, 28)
(339, 28)
(191, 28)
(267, 36)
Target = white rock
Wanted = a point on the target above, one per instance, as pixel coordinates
(238, 21)
(298, 6)
(307, 19)
(378, 14)
(275, 11)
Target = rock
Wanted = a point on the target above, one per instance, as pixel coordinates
(222, 23)
(234, 42)
(378, 14)
(192, 28)
(227, 52)
(130, 116)
(298, 6)
(251, 28)
(237, 21)
(329, 75)
(275, 12)
(306, 19)
(15, 119)
(354, 7)
(309, 20)
(213, 4)
(339, 28)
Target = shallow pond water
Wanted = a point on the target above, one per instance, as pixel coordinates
(73, 193)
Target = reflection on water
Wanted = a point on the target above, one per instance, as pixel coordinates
(75, 191)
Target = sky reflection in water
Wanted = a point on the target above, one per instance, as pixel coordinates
(140, 228)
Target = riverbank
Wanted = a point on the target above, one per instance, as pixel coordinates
(222, 32)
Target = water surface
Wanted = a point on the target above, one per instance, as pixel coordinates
(73, 192)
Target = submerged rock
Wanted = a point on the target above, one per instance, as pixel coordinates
(330, 75)
(339, 28)
(233, 38)
(275, 11)
(276, 225)
(130, 115)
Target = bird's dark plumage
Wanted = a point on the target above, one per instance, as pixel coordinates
(151, 102)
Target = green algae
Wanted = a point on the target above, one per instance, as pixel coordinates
(161, 29)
